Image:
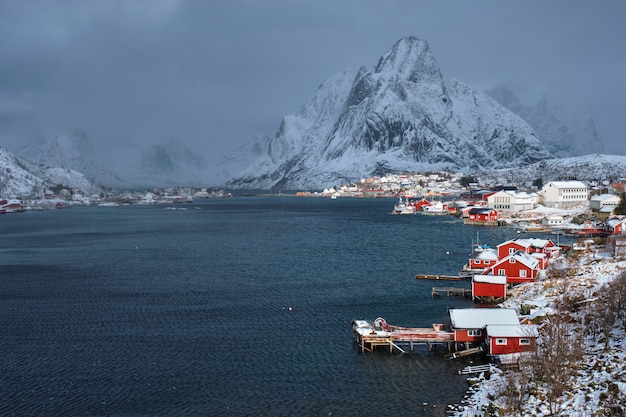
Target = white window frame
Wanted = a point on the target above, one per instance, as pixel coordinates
(475, 332)
(501, 341)
(524, 342)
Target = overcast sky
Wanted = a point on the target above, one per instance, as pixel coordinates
(214, 73)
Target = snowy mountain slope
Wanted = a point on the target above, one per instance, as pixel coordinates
(583, 168)
(126, 166)
(396, 116)
(563, 135)
(72, 149)
(19, 177)
(168, 164)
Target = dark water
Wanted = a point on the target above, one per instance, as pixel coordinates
(235, 307)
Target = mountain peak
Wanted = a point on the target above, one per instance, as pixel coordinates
(398, 116)
(410, 59)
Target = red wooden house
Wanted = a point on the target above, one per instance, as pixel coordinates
(526, 245)
(489, 288)
(615, 225)
(484, 259)
(518, 267)
(507, 339)
(421, 203)
(484, 215)
(468, 324)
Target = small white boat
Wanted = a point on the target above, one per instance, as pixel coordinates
(403, 207)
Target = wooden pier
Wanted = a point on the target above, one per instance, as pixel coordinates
(449, 291)
(478, 369)
(461, 353)
(369, 336)
(439, 277)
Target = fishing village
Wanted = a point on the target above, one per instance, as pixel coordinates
(503, 331)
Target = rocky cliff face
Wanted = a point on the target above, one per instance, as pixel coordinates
(397, 116)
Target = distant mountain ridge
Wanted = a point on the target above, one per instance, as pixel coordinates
(133, 166)
(19, 177)
(72, 150)
(396, 116)
(563, 136)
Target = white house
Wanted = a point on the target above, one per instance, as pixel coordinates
(563, 193)
(598, 202)
(512, 200)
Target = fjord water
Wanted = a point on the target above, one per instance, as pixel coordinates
(238, 306)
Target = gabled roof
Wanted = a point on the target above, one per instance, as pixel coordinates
(528, 243)
(512, 330)
(478, 318)
(603, 197)
(490, 279)
(487, 255)
(519, 256)
(567, 184)
(481, 210)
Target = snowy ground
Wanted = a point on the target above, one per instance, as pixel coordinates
(601, 375)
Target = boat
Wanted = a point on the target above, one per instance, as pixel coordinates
(478, 247)
(403, 207)
(436, 208)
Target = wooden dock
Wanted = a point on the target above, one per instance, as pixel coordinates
(369, 336)
(449, 291)
(439, 277)
(478, 369)
(461, 353)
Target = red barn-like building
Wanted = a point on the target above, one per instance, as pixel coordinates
(489, 288)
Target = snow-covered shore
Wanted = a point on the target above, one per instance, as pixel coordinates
(598, 383)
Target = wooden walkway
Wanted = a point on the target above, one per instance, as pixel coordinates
(448, 291)
(369, 337)
(439, 277)
(462, 353)
(478, 369)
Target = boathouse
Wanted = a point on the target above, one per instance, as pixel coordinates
(468, 324)
(489, 288)
(482, 216)
(507, 339)
(517, 268)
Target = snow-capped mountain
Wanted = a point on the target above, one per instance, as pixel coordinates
(19, 177)
(396, 116)
(237, 160)
(169, 164)
(125, 166)
(73, 150)
(563, 135)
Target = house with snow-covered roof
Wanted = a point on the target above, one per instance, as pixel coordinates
(529, 246)
(510, 338)
(563, 194)
(616, 225)
(517, 268)
(491, 288)
(482, 260)
(597, 202)
(468, 324)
